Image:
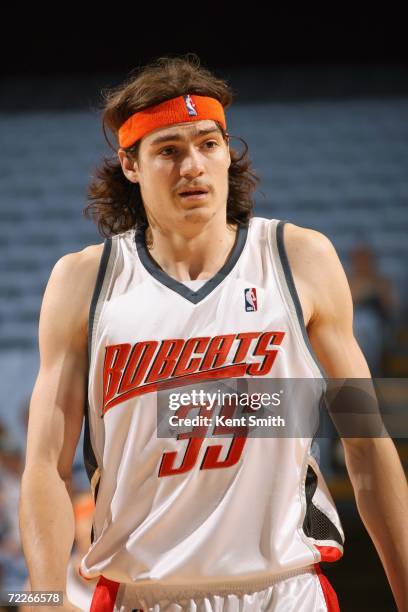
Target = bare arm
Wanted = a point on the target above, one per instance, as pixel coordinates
(373, 464)
(55, 421)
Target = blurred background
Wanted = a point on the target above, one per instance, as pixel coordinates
(322, 102)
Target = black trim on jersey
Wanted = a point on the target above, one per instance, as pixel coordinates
(90, 461)
(97, 290)
(316, 524)
(192, 296)
(293, 292)
(92, 528)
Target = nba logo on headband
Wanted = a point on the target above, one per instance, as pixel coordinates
(191, 108)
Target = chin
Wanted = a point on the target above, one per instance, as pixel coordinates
(198, 215)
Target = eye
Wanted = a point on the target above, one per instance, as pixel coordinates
(214, 143)
(171, 149)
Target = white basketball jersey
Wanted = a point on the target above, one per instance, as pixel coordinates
(174, 512)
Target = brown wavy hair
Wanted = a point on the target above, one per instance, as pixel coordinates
(114, 203)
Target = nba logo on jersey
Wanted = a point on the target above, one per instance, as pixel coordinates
(251, 302)
(192, 111)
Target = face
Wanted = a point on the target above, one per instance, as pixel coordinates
(182, 157)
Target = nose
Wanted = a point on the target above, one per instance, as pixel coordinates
(192, 164)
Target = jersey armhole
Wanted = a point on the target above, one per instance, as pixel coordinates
(103, 264)
(89, 455)
(288, 285)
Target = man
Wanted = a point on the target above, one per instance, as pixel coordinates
(188, 287)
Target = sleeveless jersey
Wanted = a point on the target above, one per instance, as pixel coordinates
(167, 516)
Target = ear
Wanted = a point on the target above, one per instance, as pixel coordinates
(129, 166)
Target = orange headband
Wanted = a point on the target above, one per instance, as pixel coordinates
(177, 110)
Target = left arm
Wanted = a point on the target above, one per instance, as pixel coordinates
(373, 464)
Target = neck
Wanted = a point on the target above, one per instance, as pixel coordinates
(192, 255)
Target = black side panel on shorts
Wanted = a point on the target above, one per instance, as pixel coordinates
(316, 524)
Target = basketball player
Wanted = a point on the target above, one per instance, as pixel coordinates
(188, 286)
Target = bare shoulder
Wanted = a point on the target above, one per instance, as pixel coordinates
(87, 255)
(81, 261)
(79, 269)
(310, 251)
(69, 291)
(318, 273)
(303, 241)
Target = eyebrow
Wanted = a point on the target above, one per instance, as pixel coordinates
(178, 137)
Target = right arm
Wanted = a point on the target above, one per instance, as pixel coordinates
(55, 421)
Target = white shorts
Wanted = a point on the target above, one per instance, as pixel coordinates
(308, 591)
